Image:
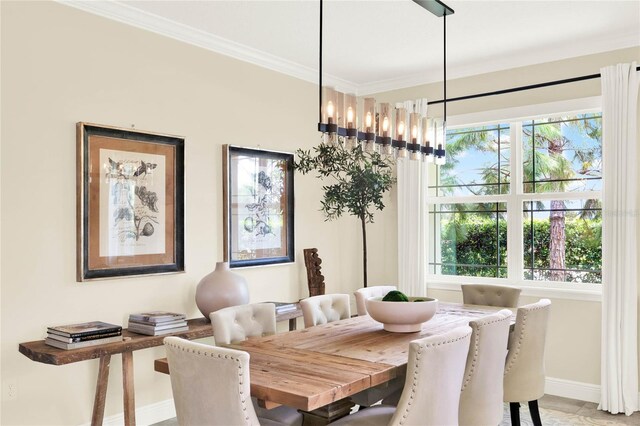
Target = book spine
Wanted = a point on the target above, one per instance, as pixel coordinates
(156, 320)
(156, 327)
(96, 333)
(67, 346)
(156, 324)
(159, 332)
(82, 338)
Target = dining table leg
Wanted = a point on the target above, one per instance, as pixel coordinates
(327, 414)
(101, 391)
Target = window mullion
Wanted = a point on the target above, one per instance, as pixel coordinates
(515, 240)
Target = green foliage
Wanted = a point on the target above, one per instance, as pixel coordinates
(471, 240)
(395, 296)
(359, 179)
(469, 246)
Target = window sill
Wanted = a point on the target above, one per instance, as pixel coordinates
(541, 290)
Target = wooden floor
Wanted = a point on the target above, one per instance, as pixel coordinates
(586, 409)
(565, 405)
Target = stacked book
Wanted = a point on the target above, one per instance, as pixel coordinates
(282, 307)
(157, 323)
(74, 336)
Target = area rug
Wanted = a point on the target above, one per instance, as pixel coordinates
(555, 418)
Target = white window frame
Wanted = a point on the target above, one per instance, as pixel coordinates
(515, 199)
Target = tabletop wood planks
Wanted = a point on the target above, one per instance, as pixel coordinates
(308, 369)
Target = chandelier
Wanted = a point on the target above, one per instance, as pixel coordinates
(393, 132)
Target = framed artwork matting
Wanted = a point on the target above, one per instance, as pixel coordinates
(130, 202)
(258, 210)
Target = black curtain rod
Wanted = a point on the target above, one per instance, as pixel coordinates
(521, 88)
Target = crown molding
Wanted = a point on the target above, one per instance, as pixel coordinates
(125, 14)
(514, 60)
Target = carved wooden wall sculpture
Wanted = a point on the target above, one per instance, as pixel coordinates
(315, 279)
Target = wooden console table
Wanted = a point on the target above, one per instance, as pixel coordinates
(198, 328)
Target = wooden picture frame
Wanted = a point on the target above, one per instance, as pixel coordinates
(130, 202)
(258, 211)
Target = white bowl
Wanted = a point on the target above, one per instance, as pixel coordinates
(402, 317)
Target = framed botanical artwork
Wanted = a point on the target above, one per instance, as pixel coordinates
(258, 206)
(130, 202)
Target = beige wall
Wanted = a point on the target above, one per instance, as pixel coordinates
(574, 333)
(61, 66)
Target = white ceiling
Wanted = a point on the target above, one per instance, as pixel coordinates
(373, 45)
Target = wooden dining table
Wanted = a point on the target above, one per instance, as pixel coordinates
(317, 369)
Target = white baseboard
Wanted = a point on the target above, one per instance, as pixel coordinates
(164, 410)
(147, 415)
(574, 390)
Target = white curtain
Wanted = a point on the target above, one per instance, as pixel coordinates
(412, 189)
(619, 362)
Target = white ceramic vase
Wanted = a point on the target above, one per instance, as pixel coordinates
(220, 289)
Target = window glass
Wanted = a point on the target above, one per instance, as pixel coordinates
(477, 162)
(471, 239)
(563, 240)
(562, 154)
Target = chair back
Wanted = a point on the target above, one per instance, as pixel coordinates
(490, 295)
(362, 294)
(524, 372)
(481, 396)
(326, 308)
(210, 384)
(434, 376)
(237, 323)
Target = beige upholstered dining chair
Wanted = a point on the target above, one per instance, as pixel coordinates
(432, 389)
(490, 295)
(326, 308)
(211, 385)
(524, 373)
(481, 396)
(237, 323)
(362, 294)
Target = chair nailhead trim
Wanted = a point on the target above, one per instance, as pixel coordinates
(414, 382)
(522, 333)
(478, 325)
(243, 401)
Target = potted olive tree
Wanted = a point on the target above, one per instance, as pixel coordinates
(356, 182)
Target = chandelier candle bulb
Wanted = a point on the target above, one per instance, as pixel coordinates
(401, 122)
(401, 128)
(414, 119)
(441, 136)
(368, 128)
(329, 112)
(369, 113)
(384, 129)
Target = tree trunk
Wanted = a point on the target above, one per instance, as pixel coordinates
(557, 241)
(364, 249)
(556, 227)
